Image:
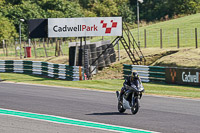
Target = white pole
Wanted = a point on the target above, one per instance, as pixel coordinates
(21, 20)
(29, 42)
(20, 39)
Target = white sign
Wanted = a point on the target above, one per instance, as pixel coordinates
(83, 27)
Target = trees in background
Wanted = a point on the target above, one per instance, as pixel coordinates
(14, 10)
(150, 10)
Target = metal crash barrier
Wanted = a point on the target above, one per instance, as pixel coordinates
(58, 71)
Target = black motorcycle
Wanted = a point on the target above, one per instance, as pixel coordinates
(131, 97)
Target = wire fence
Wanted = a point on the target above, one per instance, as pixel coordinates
(37, 48)
(166, 38)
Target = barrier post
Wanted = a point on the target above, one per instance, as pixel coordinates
(161, 39)
(196, 38)
(178, 39)
(145, 38)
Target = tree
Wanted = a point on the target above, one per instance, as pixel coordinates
(25, 11)
(2, 3)
(60, 8)
(84, 3)
(7, 30)
(151, 10)
(184, 6)
(125, 10)
(105, 8)
(14, 2)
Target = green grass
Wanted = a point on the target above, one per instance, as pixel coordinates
(186, 27)
(108, 85)
(173, 90)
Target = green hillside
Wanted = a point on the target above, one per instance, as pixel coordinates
(186, 27)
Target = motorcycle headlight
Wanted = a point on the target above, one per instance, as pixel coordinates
(141, 88)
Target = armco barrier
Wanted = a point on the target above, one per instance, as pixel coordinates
(59, 71)
(146, 73)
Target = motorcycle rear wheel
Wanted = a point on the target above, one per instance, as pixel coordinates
(121, 108)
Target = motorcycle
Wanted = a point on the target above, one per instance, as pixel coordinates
(131, 97)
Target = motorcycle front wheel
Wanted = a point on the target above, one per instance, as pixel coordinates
(121, 108)
(135, 107)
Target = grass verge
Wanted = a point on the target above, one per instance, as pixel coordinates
(109, 85)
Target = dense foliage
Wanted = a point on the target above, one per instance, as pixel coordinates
(150, 10)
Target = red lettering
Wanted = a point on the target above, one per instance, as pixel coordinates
(95, 28)
(88, 28)
(83, 27)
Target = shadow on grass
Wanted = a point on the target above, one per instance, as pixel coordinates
(45, 78)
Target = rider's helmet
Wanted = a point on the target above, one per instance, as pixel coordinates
(134, 76)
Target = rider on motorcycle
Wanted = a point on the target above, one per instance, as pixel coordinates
(128, 82)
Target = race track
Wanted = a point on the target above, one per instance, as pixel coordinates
(160, 114)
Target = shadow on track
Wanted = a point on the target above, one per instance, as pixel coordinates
(109, 113)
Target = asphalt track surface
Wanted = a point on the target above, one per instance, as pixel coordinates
(9, 124)
(160, 114)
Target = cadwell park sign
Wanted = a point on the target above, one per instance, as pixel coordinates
(84, 27)
(75, 27)
(183, 76)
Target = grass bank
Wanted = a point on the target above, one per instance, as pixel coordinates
(108, 85)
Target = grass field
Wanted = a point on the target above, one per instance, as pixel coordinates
(186, 27)
(107, 85)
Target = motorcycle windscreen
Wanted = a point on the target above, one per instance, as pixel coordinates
(137, 85)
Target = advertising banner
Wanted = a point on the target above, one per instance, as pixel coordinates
(183, 76)
(83, 27)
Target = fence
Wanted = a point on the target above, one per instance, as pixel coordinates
(164, 38)
(146, 73)
(39, 48)
(60, 71)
